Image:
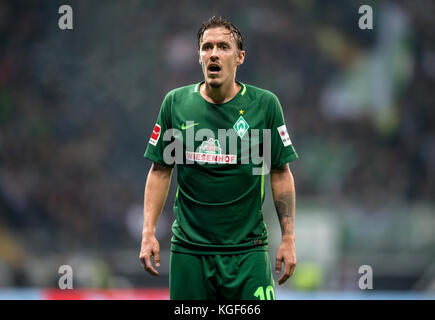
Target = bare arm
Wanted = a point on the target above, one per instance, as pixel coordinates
(156, 192)
(284, 196)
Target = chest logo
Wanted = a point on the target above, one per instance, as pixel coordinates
(210, 147)
(211, 152)
(241, 126)
(185, 127)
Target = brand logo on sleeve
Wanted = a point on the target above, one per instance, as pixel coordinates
(283, 133)
(155, 135)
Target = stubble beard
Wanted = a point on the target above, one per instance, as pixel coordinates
(215, 85)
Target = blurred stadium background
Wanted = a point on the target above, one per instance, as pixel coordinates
(77, 109)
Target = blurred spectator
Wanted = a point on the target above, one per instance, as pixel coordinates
(77, 107)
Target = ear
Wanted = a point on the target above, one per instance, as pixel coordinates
(241, 57)
(199, 58)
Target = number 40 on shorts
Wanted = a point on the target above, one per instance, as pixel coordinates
(268, 294)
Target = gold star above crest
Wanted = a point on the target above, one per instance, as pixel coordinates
(241, 111)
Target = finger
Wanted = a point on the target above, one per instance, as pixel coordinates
(286, 273)
(283, 279)
(149, 267)
(157, 258)
(292, 268)
(278, 265)
(142, 262)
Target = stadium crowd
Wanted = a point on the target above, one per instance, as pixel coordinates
(77, 107)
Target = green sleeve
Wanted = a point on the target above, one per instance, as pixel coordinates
(156, 144)
(282, 150)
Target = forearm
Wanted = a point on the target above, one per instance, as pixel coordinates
(156, 192)
(284, 197)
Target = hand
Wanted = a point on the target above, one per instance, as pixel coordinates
(150, 248)
(286, 253)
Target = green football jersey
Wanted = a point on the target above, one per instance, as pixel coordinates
(222, 153)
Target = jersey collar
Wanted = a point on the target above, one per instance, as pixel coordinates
(242, 90)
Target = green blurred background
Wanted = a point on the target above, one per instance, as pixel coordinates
(77, 108)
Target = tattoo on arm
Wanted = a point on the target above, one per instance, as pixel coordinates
(284, 204)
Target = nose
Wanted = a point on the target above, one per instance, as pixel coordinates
(214, 54)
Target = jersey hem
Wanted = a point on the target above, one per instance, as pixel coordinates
(211, 251)
(157, 160)
(290, 158)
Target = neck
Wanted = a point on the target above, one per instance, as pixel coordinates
(219, 95)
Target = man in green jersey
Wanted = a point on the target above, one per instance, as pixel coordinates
(224, 136)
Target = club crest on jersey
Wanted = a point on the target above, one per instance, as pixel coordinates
(241, 126)
(210, 151)
(155, 135)
(283, 133)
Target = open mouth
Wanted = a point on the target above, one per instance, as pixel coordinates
(214, 68)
